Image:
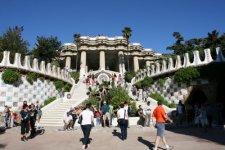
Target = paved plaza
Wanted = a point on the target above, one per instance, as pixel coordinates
(107, 139)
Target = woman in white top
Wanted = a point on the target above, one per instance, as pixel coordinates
(86, 125)
(122, 117)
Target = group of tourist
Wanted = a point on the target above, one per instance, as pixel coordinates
(10, 118)
(87, 115)
(30, 114)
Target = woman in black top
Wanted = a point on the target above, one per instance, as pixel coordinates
(24, 122)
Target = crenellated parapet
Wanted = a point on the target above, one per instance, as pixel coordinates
(157, 69)
(26, 65)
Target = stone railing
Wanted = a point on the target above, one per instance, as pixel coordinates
(158, 69)
(48, 70)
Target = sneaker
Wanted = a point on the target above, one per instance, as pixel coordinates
(170, 148)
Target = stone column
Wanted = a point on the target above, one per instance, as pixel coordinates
(68, 62)
(121, 62)
(148, 63)
(82, 63)
(136, 64)
(102, 60)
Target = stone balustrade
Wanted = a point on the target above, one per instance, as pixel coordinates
(46, 70)
(158, 69)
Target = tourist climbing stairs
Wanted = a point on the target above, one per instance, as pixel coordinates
(54, 112)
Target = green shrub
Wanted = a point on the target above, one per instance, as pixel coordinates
(93, 101)
(118, 96)
(49, 100)
(31, 77)
(144, 83)
(75, 75)
(59, 85)
(185, 75)
(67, 88)
(10, 76)
(129, 75)
(156, 96)
(161, 82)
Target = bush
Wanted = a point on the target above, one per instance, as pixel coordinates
(118, 96)
(49, 100)
(59, 85)
(10, 76)
(161, 82)
(31, 77)
(156, 96)
(75, 75)
(93, 101)
(129, 76)
(144, 83)
(67, 88)
(185, 75)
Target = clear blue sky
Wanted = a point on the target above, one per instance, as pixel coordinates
(152, 21)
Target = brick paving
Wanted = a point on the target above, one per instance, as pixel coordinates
(107, 139)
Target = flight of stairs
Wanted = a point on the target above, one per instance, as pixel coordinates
(53, 116)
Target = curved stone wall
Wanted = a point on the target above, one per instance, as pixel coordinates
(46, 70)
(13, 96)
(40, 90)
(160, 69)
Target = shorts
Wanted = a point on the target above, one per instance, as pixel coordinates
(160, 129)
(106, 115)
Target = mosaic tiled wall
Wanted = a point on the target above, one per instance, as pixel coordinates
(14, 96)
(173, 91)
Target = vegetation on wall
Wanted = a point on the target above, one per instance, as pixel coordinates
(10, 76)
(144, 83)
(31, 77)
(59, 85)
(161, 82)
(156, 96)
(67, 87)
(129, 76)
(185, 75)
(75, 75)
(48, 101)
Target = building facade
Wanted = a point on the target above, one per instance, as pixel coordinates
(106, 54)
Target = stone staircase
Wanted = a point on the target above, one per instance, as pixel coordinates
(54, 112)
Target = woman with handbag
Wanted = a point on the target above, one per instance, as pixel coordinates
(86, 124)
(122, 117)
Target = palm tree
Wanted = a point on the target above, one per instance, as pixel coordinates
(77, 41)
(127, 32)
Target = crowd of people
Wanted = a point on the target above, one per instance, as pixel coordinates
(27, 118)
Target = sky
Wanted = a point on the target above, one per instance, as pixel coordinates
(152, 21)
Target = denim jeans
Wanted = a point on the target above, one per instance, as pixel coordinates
(123, 128)
(86, 131)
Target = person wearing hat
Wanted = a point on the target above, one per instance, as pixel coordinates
(161, 117)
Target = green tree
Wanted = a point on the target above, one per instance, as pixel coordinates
(77, 41)
(47, 49)
(12, 41)
(127, 32)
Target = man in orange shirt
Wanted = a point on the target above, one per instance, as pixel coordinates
(161, 117)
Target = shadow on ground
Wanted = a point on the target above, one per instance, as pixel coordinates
(2, 146)
(212, 134)
(150, 145)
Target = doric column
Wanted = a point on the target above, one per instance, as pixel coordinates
(136, 64)
(102, 60)
(121, 62)
(148, 63)
(68, 62)
(82, 63)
